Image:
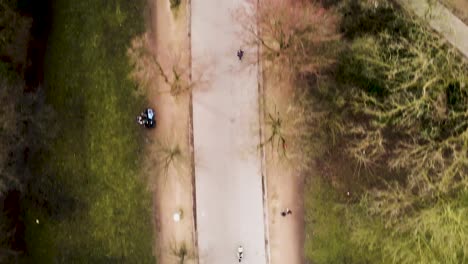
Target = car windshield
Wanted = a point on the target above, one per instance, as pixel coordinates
(150, 113)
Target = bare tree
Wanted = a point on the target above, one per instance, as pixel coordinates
(169, 156)
(148, 67)
(417, 116)
(295, 36)
(182, 252)
(276, 139)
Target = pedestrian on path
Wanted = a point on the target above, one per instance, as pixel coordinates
(240, 54)
(286, 212)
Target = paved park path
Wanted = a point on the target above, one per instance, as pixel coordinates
(441, 20)
(229, 206)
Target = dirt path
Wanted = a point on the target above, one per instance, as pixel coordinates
(172, 189)
(284, 185)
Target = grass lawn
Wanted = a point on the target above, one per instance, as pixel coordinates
(328, 231)
(91, 202)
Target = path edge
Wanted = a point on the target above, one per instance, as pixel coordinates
(190, 135)
(263, 167)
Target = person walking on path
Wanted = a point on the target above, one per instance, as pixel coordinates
(240, 54)
(286, 212)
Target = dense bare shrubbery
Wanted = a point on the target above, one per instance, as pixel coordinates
(20, 114)
(26, 129)
(408, 97)
(25, 125)
(416, 112)
(9, 131)
(312, 128)
(14, 35)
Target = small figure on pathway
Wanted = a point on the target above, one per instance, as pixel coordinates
(240, 54)
(285, 212)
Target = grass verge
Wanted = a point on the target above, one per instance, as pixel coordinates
(92, 206)
(327, 229)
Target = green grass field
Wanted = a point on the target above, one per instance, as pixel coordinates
(328, 231)
(94, 207)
